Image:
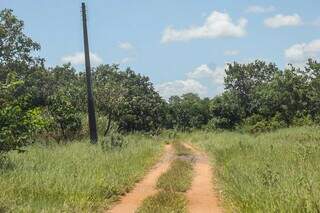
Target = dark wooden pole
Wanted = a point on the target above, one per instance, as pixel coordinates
(91, 110)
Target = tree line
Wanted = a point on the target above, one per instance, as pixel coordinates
(36, 101)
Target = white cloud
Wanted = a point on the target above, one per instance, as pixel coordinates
(215, 75)
(125, 60)
(216, 25)
(125, 46)
(298, 54)
(180, 87)
(283, 20)
(78, 59)
(231, 52)
(260, 9)
(198, 81)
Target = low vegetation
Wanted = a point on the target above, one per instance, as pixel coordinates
(272, 172)
(164, 202)
(178, 178)
(75, 177)
(172, 184)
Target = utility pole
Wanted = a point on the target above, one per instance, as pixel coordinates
(91, 110)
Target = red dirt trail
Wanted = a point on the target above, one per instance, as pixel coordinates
(201, 196)
(145, 188)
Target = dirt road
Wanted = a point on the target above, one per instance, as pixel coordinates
(145, 188)
(201, 197)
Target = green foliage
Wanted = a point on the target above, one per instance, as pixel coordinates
(114, 140)
(18, 127)
(187, 112)
(219, 123)
(242, 79)
(18, 122)
(128, 99)
(15, 46)
(258, 124)
(302, 120)
(66, 120)
(225, 111)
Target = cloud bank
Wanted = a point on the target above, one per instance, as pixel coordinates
(216, 25)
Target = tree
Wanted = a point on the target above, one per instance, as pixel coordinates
(66, 77)
(16, 49)
(243, 79)
(20, 118)
(66, 118)
(110, 94)
(130, 97)
(188, 111)
(225, 111)
(18, 123)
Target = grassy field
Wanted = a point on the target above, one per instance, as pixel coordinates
(272, 172)
(76, 177)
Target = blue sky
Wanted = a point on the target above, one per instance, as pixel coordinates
(182, 45)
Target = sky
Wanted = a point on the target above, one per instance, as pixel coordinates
(182, 45)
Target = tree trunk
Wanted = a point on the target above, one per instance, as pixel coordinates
(108, 125)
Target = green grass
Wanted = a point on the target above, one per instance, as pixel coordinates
(272, 172)
(77, 177)
(164, 202)
(178, 178)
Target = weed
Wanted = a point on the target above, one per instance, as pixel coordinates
(164, 202)
(178, 178)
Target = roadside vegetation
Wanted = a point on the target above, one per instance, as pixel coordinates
(272, 172)
(76, 177)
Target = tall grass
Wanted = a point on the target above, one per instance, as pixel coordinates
(77, 177)
(272, 172)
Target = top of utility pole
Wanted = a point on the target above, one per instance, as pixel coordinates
(90, 98)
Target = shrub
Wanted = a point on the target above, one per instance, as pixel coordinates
(66, 119)
(302, 120)
(258, 124)
(18, 121)
(113, 140)
(219, 123)
(18, 126)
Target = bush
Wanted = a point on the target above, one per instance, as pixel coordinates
(302, 120)
(113, 140)
(258, 124)
(219, 123)
(66, 119)
(18, 121)
(18, 126)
